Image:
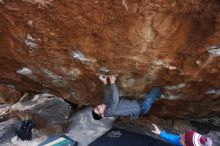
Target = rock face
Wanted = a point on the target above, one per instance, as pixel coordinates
(59, 47)
(48, 112)
(7, 129)
(84, 129)
(9, 95)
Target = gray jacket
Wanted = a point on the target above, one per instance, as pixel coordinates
(116, 106)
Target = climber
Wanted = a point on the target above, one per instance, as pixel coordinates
(114, 106)
(188, 138)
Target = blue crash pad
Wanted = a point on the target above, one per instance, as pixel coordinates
(59, 140)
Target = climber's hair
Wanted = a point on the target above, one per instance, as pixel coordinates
(96, 116)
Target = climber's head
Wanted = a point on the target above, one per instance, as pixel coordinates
(98, 111)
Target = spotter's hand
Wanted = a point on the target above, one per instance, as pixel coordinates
(156, 129)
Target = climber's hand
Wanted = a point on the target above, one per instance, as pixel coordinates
(156, 129)
(112, 79)
(103, 78)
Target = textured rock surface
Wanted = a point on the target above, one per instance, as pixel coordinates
(7, 129)
(48, 112)
(84, 129)
(60, 46)
(8, 95)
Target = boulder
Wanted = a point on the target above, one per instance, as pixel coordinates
(60, 47)
(9, 95)
(7, 129)
(84, 129)
(47, 112)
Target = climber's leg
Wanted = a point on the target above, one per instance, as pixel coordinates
(150, 99)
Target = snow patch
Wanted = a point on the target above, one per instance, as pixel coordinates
(24, 71)
(214, 50)
(78, 56)
(179, 86)
(166, 65)
(198, 62)
(172, 97)
(213, 91)
(104, 69)
(11, 86)
(29, 41)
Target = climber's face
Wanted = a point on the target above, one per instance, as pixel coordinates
(100, 109)
(182, 139)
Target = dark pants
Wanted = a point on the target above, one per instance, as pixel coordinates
(150, 98)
